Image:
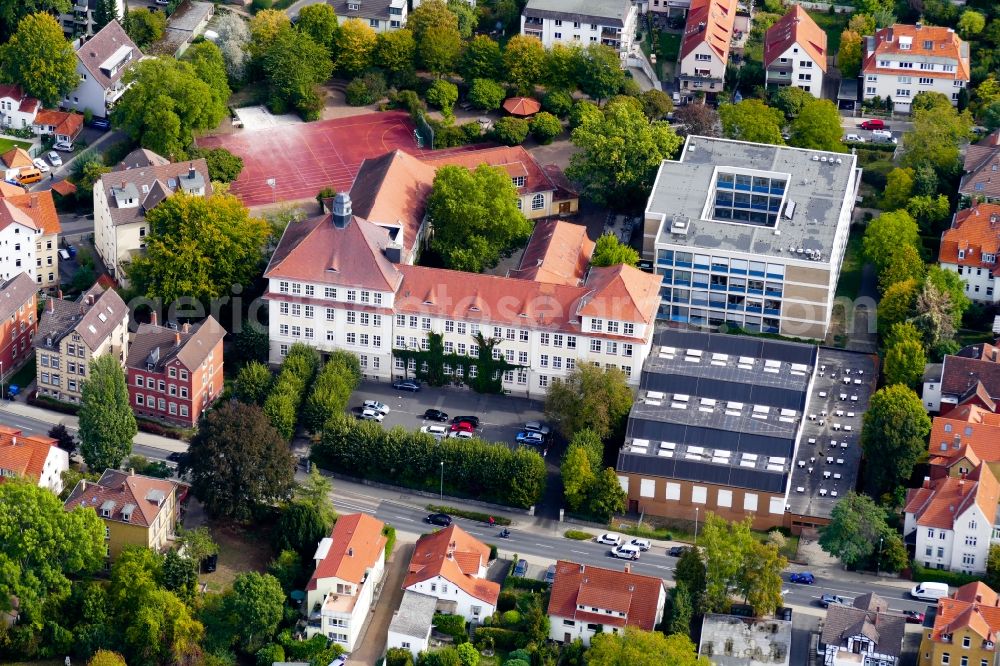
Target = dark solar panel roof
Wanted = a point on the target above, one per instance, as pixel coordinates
(718, 389)
(703, 472)
(789, 352)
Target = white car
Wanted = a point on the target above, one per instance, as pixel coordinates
(435, 431)
(54, 158)
(857, 138)
(461, 434)
(371, 415)
(40, 164)
(641, 544)
(64, 146)
(625, 552)
(609, 539)
(380, 407)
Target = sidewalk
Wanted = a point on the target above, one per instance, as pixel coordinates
(73, 423)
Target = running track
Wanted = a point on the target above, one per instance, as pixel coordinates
(304, 158)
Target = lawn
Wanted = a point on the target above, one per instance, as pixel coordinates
(850, 270)
(669, 47)
(24, 376)
(239, 551)
(832, 25)
(6, 144)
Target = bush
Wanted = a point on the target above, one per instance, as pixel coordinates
(452, 625)
(578, 535)
(486, 94)
(389, 532)
(471, 515)
(407, 100)
(510, 618)
(511, 131)
(446, 133)
(529, 584)
(500, 639)
(289, 389)
(545, 127)
(472, 132)
(366, 89)
(876, 174)
(223, 166)
(443, 94)
(507, 601)
(558, 103)
(332, 389)
(493, 552)
(398, 657)
(267, 655)
(953, 578)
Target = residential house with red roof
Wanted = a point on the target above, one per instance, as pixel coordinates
(41, 208)
(349, 566)
(19, 235)
(340, 281)
(900, 61)
(18, 323)
(970, 248)
(950, 521)
(967, 436)
(175, 374)
(864, 632)
(586, 600)
(981, 182)
(972, 376)
(63, 126)
(17, 110)
(136, 510)
(964, 630)
(450, 565)
(705, 47)
(102, 62)
(32, 457)
(795, 52)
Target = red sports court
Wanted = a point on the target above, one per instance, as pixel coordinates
(304, 158)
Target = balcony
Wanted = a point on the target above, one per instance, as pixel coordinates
(779, 76)
(112, 94)
(533, 21)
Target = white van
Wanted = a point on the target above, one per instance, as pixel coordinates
(929, 591)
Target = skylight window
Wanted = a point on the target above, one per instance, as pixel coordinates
(748, 198)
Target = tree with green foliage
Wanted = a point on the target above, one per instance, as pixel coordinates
(300, 527)
(395, 51)
(106, 658)
(545, 127)
(443, 94)
(635, 647)
(430, 14)
(467, 652)
(264, 28)
(752, 120)
(894, 434)
(105, 12)
(849, 54)
(681, 611)
(511, 131)
(886, 233)
(486, 94)
(196, 543)
(12, 13)
(609, 251)
(255, 607)
(352, 46)
(563, 67)
(87, 170)
(180, 575)
(588, 397)
(993, 566)
(64, 438)
(619, 153)
(760, 577)
(234, 39)
(600, 72)
(398, 657)
(817, 127)
(606, 497)
(991, 116)
(898, 304)
(904, 264)
(438, 49)
(165, 104)
(656, 104)
(937, 134)
(145, 27)
(929, 211)
(294, 65)
(210, 66)
(970, 24)
(524, 61)
(726, 547)
(199, 247)
(288, 569)
(315, 492)
(583, 111)
(904, 358)
(38, 58)
(475, 217)
(238, 462)
(898, 189)
(223, 166)
(577, 476)
(690, 573)
(950, 284)
(253, 382)
(790, 100)
(467, 17)
(319, 21)
(107, 423)
(863, 24)
(481, 59)
(857, 524)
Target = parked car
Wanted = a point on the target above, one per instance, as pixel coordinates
(40, 164)
(828, 599)
(462, 425)
(100, 123)
(550, 574)
(874, 124)
(677, 551)
(857, 138)
(462, 434)
(804, 578)
(435, 415)
(537, 426)
(442, 519)
(625, 552)
(528, 437)
(54, 158)
(435, 431)
(474, 420)
(377, 406)
(406, 385)
(641, 544)
(63, 146)
(609, 539)
(371, 415)
(176, 457)
(520, 568)
(883, 136)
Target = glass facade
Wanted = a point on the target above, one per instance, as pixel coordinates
(748, 199)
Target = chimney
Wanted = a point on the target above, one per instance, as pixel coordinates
(927, 482)
(350, 552)
(34, 201)
(131, 471)
(177, 339)
(628, 568)
(186, 327)
(341, 210)
(83, 484)
(583, 568)
(152, 318)
(191, 171)
(13, 441)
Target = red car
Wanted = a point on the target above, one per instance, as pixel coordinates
(873, 124)
(462, 425)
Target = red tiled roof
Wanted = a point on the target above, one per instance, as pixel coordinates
(622, 292)
(973, 606)
(16, 158)
(710, 22)
(11, 214)
(960, 374)
(966, 432)
(558, 253)
(25, 104)
(8, 190)
(357, 545)
(944, 44)
(456, 556)
(795, 27)
(948, 498)
(24, 455)
(65, 122)
(515, 160)
(123, 489)
(392, 190)
(40, 207)
(577, 585)
(975, 232)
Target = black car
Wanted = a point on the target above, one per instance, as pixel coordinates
(177, 457)
(473, 420)
(100, 123)
(442, 519)
(406, 385)
(677, 551)
(435, 415)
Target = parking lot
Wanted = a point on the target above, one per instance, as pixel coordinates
(500, 416)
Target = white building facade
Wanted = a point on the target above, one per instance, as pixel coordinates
(582, 22)
(18, 242)
(101, 64)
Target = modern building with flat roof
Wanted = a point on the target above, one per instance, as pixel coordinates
(750, 235)
(728, 640)
(743, 426)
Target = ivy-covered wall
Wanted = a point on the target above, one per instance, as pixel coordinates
(431, 362)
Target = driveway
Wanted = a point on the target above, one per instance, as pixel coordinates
(373, 636)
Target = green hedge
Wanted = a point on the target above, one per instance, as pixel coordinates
(452, 625)
(283, 405)
(953, 578)
(471, 515)
(578, 535)
(502, 639)
(389, 532)
(472, 468)
(871, 145)
(530, 584)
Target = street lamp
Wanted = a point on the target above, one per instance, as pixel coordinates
(442, 479)
(696, 525)
(878, 561)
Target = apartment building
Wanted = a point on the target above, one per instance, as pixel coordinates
(136, 510)
(124, 196)
(970, 248)
(705, 47)
(43, 263)
(349, 567)
(102, 61)
(903, 60)
(379, 15)
(80, 20)
(174, 373)
(795, 53)
(582, 22)
(32, 457)
(981, 182)
(338, 281)
(73, 333)
(19, 235)
(972, 376)
(18, 323)
(964, 628)
(587, 600)
(750, 235)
